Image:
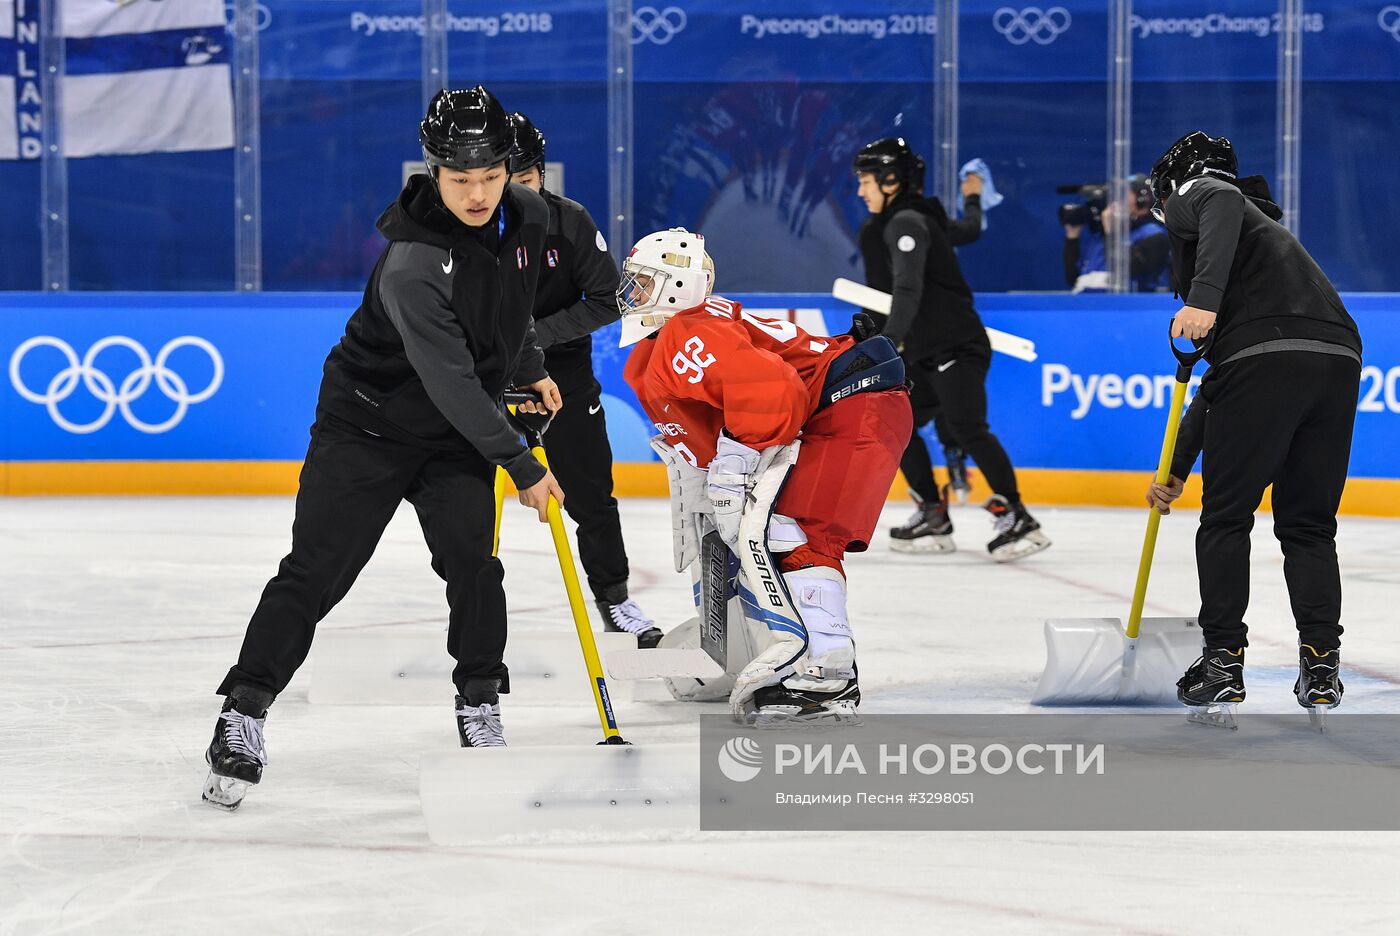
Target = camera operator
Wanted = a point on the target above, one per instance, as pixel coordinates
(1089, 224)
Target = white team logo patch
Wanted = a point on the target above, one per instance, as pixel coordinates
(905, 243)
(1185, 186)
(602, 244)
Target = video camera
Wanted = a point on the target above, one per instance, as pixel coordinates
(1095, 200)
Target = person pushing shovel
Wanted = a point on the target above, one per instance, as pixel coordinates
(1276, 407)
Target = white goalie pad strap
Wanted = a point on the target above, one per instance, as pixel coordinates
(690, 500)
(820, 596)
(770, 602)
(784, 534)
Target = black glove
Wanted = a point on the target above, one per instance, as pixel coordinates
(862, 327)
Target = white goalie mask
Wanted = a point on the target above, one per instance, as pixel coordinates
(666, 272)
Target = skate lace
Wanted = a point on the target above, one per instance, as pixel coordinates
(244, 735)
(483, 723)
(629, 617)
(1003, 521)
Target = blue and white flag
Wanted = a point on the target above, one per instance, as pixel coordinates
(9, 128)
(142, 76)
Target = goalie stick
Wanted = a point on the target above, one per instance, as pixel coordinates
(1023, 349)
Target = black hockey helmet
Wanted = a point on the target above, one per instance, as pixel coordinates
(1195, 154)
(891, 160)
(528, 149)
(465, 129)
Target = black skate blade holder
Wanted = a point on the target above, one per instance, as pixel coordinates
(533, 426)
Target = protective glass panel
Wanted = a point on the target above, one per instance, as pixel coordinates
(1350, 135)
(746, 121)
(340, 110)
(1230, 89)
(1034, 109)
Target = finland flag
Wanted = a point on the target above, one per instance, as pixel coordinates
(143, 76)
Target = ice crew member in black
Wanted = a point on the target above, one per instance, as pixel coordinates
(908, 250)
(409, 409)
(1276, 407)
(576, 297)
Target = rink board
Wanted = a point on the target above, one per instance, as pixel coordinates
(220, 390)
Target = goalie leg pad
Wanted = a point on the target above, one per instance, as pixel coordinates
(820, 593)
(690, 501)
(769, 599)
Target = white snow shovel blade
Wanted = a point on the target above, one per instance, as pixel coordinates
(662, 663)
(1084, 661)
(416, 669)
(564, 793)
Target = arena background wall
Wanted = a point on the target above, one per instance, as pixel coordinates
(195, 393)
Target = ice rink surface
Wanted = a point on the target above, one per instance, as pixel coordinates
(120, 616)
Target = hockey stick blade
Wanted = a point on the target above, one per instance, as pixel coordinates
(1023, 349)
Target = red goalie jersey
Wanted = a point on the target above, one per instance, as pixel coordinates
(758, 379)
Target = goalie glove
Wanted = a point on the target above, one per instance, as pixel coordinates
(689, 503)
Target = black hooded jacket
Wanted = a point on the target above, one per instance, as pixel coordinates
(908, 252)
(577, 293)
(444, 329)
(1230, 256)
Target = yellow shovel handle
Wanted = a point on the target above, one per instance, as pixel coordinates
(565, 554)
(500, 502)
(591, 661)
(1154, 518)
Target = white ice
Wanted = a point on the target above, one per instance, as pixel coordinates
(120, 616)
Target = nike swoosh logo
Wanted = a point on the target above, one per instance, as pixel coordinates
(594, 408)
(447, 267)
(943, 367)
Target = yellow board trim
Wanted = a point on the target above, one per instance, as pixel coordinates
(1375, 497)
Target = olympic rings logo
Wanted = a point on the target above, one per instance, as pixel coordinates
(107, 391)
(1389, 20)
(658, 26)
(1032, 23)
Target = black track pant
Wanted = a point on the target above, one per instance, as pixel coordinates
(1283, 419)
(955, 389)
(351, 485)
(581, 459)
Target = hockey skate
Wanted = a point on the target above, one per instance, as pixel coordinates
(479, 714)
(929, 530)
(1213, 687)
(238, 753)
(621, 613)
(956, 460)
(789, 704)
(1018, 533)
(1319, 686)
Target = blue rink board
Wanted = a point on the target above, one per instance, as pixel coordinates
(1094, 400)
